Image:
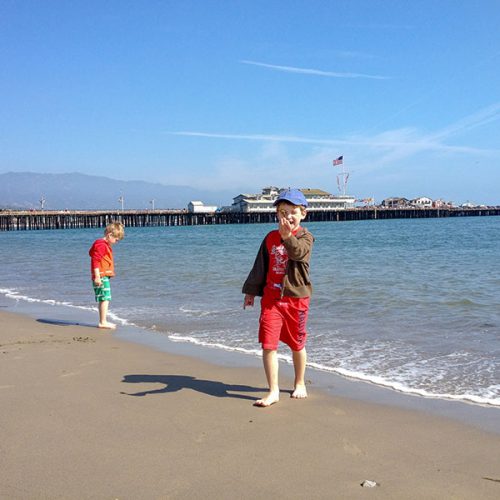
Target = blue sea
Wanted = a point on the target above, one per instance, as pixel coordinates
(413, 305)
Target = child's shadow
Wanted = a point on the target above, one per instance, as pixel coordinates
(174, 383)
(60, 322)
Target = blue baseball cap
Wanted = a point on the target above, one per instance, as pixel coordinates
(293, 196)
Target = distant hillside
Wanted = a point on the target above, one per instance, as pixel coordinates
(79, 191)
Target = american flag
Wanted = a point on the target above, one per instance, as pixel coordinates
(338, 161)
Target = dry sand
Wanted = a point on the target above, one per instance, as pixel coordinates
(84, 415)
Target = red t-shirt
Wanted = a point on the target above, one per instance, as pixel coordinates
(278, 258)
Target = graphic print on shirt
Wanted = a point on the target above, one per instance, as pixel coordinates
(277, 268)
(279, 259)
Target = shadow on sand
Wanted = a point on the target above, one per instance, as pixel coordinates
(60, 322)
(174, 383)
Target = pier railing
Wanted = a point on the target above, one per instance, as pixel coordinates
(11, 220)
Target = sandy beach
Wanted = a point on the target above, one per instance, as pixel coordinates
(85, 415)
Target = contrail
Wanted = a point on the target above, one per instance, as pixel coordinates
(317, 72)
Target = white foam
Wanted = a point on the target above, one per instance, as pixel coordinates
(400, 387)
(491, 397)
(194, 312)
(13, 294)
(201, 313)
(354, 375)
(175, 337)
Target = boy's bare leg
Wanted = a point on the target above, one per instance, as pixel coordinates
(299, 365)
(103, 315)
(271, 368)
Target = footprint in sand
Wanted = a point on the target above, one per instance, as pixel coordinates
(352, 449)
(71, 374)
(337, 411)
(92, 362)
(83, 339)
(200, 438)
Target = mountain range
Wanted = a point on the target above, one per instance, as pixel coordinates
(74, 191)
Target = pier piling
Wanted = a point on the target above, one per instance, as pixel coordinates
(11, 220)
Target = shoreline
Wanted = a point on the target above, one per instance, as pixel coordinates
(86, 414)
(484, 417)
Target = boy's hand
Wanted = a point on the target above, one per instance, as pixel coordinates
(97, 277)
(285, 228)
(248, 301)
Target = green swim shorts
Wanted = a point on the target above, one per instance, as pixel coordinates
(103, 292)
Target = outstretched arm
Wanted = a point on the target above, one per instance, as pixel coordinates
(256, 280)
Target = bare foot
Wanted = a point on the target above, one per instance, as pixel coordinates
(299, 392)
(107, 326)
(269, 400)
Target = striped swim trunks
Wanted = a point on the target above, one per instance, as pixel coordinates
(103, 292)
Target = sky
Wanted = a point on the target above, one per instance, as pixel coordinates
(242, 94)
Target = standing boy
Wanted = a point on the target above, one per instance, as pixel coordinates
(280, 275)
(102, 268)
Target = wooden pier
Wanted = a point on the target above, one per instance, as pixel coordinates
(11, 220)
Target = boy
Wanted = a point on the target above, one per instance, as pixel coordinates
(280, 275)
(102, 268)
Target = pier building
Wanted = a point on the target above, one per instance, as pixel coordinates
(198, 207)
(317, 199)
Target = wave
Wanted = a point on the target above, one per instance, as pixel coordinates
(351, 374)
(201, 313)
(13, 294)
(380, 381)
(403, 388)
(175, 337)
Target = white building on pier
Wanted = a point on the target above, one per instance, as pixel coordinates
(198, 207)
(317, 200)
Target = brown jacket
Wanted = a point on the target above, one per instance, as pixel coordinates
(296, 282)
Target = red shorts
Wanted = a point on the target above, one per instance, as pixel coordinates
(283, 319)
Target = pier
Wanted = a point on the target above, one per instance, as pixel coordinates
(11, 220)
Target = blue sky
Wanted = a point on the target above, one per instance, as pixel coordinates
(238, 95)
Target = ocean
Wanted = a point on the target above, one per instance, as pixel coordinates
(409, 304)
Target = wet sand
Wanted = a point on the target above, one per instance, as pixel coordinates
(86, 415)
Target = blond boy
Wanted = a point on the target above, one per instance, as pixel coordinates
(102, 269)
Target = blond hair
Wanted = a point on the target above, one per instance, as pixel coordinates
(115, 229)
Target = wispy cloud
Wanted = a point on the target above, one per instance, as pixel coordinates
(315, 72)
(414, 143)
(260, 137)
(383, 162)
(274, 163)
(351, 54)
(478, 119)
(400, 140)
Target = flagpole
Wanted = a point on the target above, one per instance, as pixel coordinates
(343, 178)
(340, 161)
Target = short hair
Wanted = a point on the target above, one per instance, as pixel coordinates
(115, 229)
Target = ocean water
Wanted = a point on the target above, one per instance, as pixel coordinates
(413, 305)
